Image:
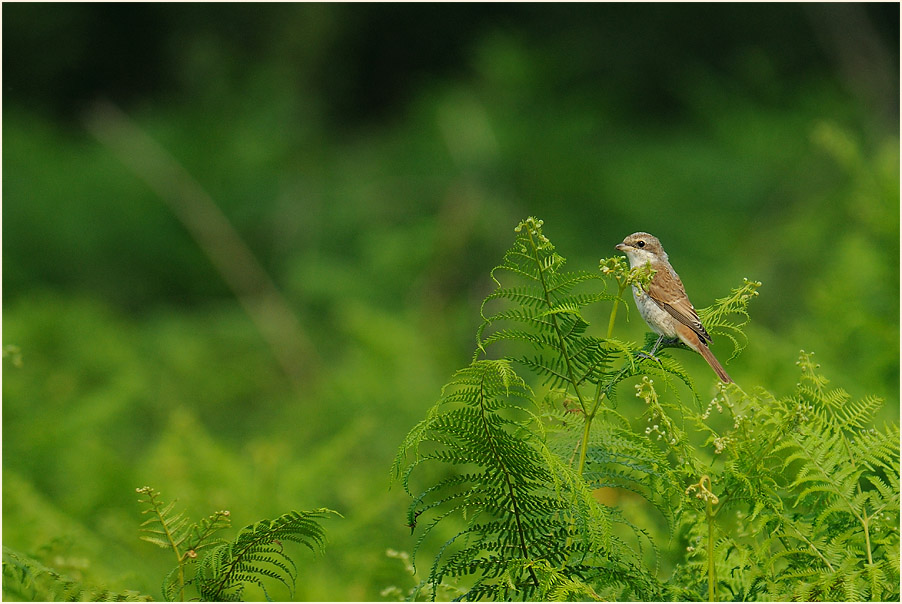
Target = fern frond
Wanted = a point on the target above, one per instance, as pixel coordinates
(258, 553)
(547, 308)
(555, 585)
(200, 535)
(813, 487)
(25, 579)
(520, 502)
(858, 415)
(841, 476)
(164, 528)
(172, 530)
(728, 315)
(226, 568)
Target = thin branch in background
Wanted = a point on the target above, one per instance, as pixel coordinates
(212, 231)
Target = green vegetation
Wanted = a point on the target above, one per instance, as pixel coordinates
(207, 568)
(356, 172)
(224, 572)
(780, 505)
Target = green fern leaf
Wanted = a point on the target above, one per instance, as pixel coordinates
(258, 553)
(25, 579)
(727, 316)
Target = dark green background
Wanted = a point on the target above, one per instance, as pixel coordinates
(375, 159)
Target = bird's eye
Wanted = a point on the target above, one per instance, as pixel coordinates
(640, 243)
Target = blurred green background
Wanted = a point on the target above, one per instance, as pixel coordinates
(374, 160)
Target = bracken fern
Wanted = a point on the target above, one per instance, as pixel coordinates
(259, 552)
(227, 567)
(797, 499)
(813, 490)
(28, 580)
(519, 502)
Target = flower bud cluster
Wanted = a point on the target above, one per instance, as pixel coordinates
(882, 522)
(809, 370)
(534, 228)
(802, 412)
(659, 431)
(615, 265)
(661, 427)
(645, 390)
(719, 402)
(805, 361)
(641, 276)
(721, 442)
(751, 286)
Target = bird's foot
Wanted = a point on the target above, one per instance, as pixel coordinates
(649, 356)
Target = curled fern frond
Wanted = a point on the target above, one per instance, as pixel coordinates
(727, 316)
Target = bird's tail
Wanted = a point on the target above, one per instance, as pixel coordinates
(709, 356)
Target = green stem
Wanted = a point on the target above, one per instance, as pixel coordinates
(709, 513)
(863, 518)
(590, 415)
(180, 558)
(584, 444)
(614, 310)
(867, 537)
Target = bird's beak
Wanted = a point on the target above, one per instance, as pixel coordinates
(621, 246)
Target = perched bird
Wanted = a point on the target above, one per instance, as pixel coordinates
(664, 305)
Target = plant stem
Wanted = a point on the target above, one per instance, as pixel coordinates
(712, 579)
(584, 444)
(863, 518)
(590, 415)
(566, 354)
(614, 310)
(180, 558)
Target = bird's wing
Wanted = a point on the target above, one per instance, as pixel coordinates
(668, 292)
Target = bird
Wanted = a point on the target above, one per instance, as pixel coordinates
(664, 304)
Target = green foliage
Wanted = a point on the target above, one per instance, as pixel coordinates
(223, 572)
(533, 528)
(258, 552)
(140, 367)
(442, 592)
(807, 479)
(168, 529)
(27, 580)
(728, 315)
(784, 498)
(845, 494)
(519, 504)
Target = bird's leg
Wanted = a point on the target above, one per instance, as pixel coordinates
(651, 355)
(654, 348)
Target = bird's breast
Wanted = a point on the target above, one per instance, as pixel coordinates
(657, 318)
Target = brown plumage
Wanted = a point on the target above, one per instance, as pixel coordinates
(664, 305)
